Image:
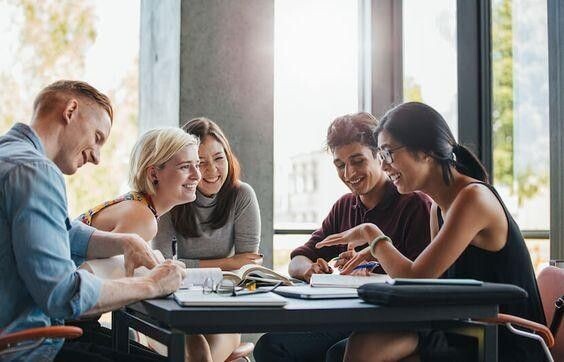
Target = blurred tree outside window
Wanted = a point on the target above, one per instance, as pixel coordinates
(520, 134)
(429, 56)
(45, 41)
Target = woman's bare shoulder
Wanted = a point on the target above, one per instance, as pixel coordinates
(135, 217)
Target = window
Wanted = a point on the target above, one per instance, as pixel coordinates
(520, 119)
(50, 40)
(429, 56)
(315, 81)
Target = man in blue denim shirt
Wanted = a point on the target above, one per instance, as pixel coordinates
(39, 247)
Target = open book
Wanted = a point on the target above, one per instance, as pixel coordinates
(261, 274)
(113, 268)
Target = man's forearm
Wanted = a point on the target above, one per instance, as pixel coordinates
(117, 293)
(298, 266)
(103, 244)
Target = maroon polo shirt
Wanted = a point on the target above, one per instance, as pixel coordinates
(404, 218)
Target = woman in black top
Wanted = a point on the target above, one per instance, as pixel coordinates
(477, 239)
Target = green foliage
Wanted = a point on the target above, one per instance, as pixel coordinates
(53, 39)
(524, 183)
(529, 183)
(502, 78)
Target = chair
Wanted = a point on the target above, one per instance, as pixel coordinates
(241, 352)
(12, 342)
(551, 287)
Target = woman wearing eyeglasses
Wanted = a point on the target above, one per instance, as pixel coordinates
(473, 235)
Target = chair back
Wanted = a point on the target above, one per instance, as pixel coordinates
(551, 287)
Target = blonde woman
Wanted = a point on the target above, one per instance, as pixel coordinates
(163, 172)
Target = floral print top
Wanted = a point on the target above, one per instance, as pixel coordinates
(131, 196)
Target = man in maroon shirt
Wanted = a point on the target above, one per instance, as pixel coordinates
(373, 198)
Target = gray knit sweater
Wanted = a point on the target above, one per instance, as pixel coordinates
(240, 234)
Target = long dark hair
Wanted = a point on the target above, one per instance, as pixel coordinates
(419, 127)
(183, 216)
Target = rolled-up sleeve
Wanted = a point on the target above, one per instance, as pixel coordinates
(40, 234)
(79, 236)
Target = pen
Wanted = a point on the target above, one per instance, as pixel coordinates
(370, 265)
(174, 241)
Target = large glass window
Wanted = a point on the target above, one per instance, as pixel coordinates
(45, 41)
(429, 56)
(520, 116)
(315, 80)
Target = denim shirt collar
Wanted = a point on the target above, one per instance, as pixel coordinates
(26, 133)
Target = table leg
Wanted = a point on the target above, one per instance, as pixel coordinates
(120, 332)
(485, 334)
(176, 346)
(489, 346)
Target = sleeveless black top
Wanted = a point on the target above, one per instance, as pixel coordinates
(510, 265)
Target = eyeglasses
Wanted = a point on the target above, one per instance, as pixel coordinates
(229, 287)
(385, 154)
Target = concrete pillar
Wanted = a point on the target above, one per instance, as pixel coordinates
(159, 64)
(215, 58)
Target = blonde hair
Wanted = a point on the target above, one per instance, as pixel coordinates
(154, 148)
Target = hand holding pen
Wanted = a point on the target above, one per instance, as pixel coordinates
(360, 262)
(342, 259)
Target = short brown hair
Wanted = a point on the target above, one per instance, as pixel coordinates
(351, 128)
(47, 96)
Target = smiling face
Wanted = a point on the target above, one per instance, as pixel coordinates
(213, 165)
(359, 169)
(179, 177)
(409, 171)
(86, 130)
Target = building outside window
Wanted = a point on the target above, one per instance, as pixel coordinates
(315, 81)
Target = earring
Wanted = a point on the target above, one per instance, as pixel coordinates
(155, 182)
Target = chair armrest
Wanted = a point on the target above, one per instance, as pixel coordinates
(41, 332)
(540, 329)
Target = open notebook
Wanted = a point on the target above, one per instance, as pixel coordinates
(196, 298)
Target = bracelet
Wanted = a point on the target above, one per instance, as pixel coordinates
(375, 242)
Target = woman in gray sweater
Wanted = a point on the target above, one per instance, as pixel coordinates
(221, 228)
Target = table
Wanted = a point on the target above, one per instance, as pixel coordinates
(167, 322)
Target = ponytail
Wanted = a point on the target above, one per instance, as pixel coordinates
(468, 164)
(419, 127)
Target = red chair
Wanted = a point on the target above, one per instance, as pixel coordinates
(14, 342)
(241, 352)
(551, 287)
